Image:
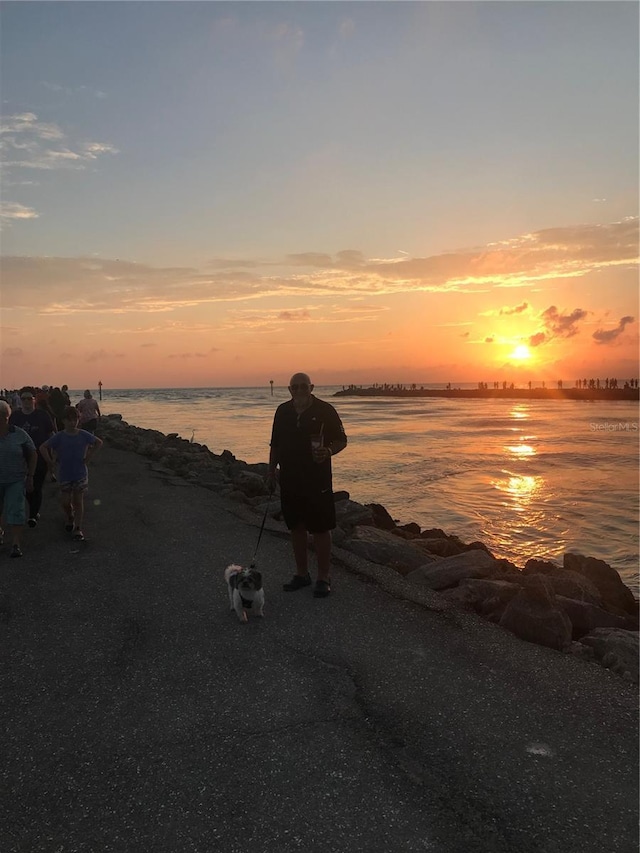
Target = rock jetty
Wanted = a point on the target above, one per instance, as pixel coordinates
(484, 393)
(581, 607)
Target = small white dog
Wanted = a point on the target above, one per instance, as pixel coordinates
(245, 591)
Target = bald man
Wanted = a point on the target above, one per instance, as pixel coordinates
(306, 433)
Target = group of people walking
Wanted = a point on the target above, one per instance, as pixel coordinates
(42, 433)
(42, 428)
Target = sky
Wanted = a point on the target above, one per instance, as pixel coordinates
(225, 193)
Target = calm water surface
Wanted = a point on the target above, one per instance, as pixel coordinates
(526, 478)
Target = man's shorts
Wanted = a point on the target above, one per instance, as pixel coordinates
(12, 502)
(74, 486)
(317, 513)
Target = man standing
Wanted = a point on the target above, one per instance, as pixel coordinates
(39, 426)
(306, 433)
(17, 460)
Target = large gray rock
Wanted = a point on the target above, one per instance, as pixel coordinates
(616, 596)
(575, 586)
(381, 517)
(350, 514)
(585, 617)
(450, 571)
(489, 598)
(615, 649)
(533, 616)
(382, 547)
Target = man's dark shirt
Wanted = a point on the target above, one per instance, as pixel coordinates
(38, 425)
(291, 437)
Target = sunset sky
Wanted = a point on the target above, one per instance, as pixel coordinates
(220, 194)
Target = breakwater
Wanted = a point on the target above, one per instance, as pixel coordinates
(579, 606)
(581, 394)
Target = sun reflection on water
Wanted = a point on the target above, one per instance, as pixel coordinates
(519, 491)
(520, 451)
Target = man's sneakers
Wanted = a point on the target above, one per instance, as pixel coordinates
(78, 535)
(297, 582)
(322, 589)
(15, 551)
(69, 526)
(33, 522)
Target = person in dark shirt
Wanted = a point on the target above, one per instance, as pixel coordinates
(306, 433)
(39, 426)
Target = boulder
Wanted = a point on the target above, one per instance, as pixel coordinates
(573, 585)
(539, 567)
(382, 547)
(411, 527)
(250, 484)
(439, 547)
(434, 533)
(616, 596)
(450, 571)
(533, 615)
(381, 517)
(586, 617)
(350, 514)
(341, 495)
(487, 597)
(615, 649)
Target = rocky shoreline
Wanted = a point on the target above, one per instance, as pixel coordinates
(582, 607)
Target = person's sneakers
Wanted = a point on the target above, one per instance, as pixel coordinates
(322, 589)
(297, 582)
(78, 535)
(15, 551)
(69, 526)
(33, 522)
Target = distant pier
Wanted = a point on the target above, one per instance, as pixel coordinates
(584, 394)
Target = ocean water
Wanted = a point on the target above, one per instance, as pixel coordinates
(529, 479)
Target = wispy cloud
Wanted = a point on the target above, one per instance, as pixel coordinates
(27, 143)
(74, 90)
(11, 210)
(517, 309)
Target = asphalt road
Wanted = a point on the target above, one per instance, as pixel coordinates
(137, 714)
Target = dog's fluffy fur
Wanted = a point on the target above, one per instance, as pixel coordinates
(245, 591)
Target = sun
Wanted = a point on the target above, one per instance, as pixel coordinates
(521, 352)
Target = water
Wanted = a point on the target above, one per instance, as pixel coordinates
(534, 478)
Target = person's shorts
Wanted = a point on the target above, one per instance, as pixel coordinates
(317, 513)
(12, 502)
(74, 486)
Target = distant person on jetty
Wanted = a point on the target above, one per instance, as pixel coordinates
(306, 433)
(17, 466)
(89, 412)
(73, 448)
(38, 425)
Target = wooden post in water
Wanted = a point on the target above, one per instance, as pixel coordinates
(100, 390)
(271, 383)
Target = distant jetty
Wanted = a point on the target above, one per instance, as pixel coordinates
(585, 394)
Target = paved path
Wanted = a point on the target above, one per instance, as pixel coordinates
(138, 715)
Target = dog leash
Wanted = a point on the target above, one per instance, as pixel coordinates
(264, 521)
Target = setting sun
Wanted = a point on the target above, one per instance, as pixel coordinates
(521, 352)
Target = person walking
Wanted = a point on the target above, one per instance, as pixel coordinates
(306, 433)
(89, 412)
(73, 448)
(39, 426)
(17, 460)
